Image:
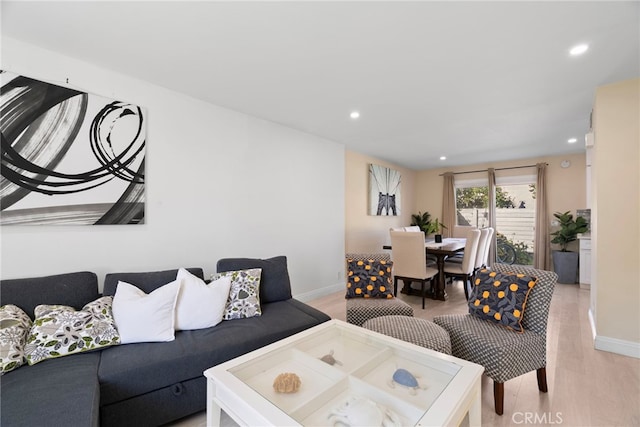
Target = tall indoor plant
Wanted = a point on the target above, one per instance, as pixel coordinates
(423, 220)
(565, 262)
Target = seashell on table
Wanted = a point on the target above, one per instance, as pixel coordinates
(328, 358)
(287, 382)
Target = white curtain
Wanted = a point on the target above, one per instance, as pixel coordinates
(448, 205)
(541, 257)
(492, 215)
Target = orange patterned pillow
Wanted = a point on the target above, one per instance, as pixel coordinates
(501, 297)
(369, 279)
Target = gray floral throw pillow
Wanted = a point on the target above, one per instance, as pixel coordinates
(244, 297)
(14, 326)
(60, 330)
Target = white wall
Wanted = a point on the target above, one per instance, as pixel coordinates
(219, 184)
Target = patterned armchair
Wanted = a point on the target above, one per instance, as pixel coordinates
(359, 310)
(506, 354)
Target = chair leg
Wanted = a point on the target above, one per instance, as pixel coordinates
(498, 397)
(466, 289)
(422, 292)
(542, 380)
(395, 286)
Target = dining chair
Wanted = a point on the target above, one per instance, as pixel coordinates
(465, 269)
(359, 310)
(409, 261)
(505, 353)
(480, 252)
(487, 247)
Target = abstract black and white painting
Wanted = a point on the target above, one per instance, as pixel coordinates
(69, 157)
(384, 191)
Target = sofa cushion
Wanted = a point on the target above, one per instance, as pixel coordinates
(60, 330)
(134, 369)
(14, 327)
(142, 317)
(275, 284)
(64, 392)
(244, 293)
(72, 289)
(147, 281)
(200, 305)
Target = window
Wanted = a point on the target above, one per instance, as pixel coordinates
(515, 214)
(472, 202)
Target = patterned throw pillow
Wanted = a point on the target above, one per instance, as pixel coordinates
(244, 296)
(501, 297)
(369, 279)
(60, 330)
(14, 326)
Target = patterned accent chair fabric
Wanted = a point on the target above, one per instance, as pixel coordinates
(359, 310)
(506, 354)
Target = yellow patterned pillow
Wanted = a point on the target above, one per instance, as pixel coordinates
(501, 297)
(369, 279)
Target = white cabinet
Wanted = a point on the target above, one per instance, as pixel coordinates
(585, 262)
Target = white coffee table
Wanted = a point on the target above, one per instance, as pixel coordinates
(448, 387)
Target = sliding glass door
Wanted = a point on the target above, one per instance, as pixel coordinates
(515, 214)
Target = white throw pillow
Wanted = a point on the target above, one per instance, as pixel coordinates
(145, 318)
(200, 305)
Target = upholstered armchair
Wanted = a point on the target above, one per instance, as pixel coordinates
(359, 310)
(505, 353)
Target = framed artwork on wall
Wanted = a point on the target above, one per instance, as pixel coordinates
(69, 157)
(384, 191)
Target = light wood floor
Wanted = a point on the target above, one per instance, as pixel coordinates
(587, 387)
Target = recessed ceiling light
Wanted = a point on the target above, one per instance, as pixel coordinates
(443, 158)
(354, 114)
(572, 140)
(579, 49)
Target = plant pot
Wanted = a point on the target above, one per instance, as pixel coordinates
(565, 264)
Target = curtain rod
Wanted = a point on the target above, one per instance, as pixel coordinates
(498, 169)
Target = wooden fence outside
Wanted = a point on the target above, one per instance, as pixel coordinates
(516, 225)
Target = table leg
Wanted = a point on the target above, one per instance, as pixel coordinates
(406, 287)
(440, 293)
(475, 411)
(213, 409)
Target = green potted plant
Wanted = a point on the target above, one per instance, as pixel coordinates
(565, 262)
(423, 220)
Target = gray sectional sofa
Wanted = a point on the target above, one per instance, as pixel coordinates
(143, 384)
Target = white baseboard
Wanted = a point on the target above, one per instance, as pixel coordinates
(317, 293)
(592, 322)
(614, 345)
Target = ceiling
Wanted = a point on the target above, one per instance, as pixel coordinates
(473, 81)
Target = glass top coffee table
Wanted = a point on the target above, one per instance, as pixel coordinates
(344, 375)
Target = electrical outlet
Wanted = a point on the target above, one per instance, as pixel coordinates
(555, 223)
(339, 275)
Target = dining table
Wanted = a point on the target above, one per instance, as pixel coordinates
(450, 246)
